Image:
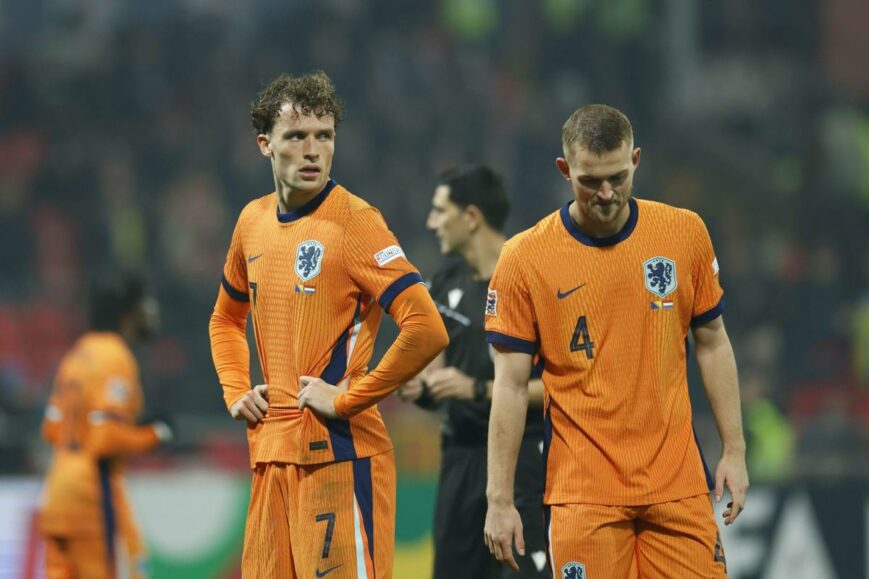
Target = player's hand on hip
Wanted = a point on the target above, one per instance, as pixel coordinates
(732, 472)
(319, 395)
(411, 391)
(253, 405)
(450, 382)
(503, 527)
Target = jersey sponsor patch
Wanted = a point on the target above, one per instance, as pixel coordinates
(118, 390)
(573, 570)
(492, 303)
(388, 254)
(309, 259)
(660, 276)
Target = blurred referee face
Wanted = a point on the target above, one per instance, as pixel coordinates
(601, 184)
(452, 223)
(300, 147)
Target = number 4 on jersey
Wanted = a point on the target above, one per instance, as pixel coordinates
(581, 340)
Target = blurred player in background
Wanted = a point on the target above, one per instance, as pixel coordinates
(91, 423)
(316, 266)
(606, 289)
(469, 209)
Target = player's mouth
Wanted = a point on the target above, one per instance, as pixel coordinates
(309, 172)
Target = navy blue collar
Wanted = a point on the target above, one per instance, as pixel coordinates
(308, 207)
(601, 241)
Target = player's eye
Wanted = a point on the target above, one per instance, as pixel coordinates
(618, 179)
(294, 136)
(590, 183)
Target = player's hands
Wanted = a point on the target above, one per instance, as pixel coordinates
(412, 390)
(253, 405)
(163, 431)
(319, 395)
(503, 527)
(450, 382)
(733, 473)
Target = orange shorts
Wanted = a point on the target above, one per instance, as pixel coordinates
(87, 558)
(661, 541)
(334, 520)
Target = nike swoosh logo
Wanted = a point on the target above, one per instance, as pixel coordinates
(326, 572)
(561, 296)
(253, 258)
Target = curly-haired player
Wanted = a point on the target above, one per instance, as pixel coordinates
(315, 266)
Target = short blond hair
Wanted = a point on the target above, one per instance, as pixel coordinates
(597, 128)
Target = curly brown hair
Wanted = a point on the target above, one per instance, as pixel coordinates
(311, 93)
(597, 128)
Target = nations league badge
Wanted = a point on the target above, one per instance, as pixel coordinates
(660, 275)
(309, 257)
(573, 570)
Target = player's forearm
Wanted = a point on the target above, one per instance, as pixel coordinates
(506, 424)
(229, 348)
(421, 338)
(535, 392)
(110, 438)
(718, 370)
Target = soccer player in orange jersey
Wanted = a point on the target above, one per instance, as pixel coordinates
(605, 290)
(90, 421)
(316, 266)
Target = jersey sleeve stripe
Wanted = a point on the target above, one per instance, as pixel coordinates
(396, 287)
(235, 294)
(705, 317)
(511, 343)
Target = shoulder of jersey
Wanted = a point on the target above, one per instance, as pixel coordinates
(104, 350)
(542, 230)
(669, 214)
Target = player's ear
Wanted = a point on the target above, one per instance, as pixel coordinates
(264, 144)
(475, 216)
(635, 157)
(563, 167)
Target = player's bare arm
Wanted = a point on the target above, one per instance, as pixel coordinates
(718, 369)
(253, 405)
(506, 423)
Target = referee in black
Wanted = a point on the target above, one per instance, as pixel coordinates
(469, 208)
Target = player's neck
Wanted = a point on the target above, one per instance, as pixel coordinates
(599, 230)
(481, 254)
(291, 199)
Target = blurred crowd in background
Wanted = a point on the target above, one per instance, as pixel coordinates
(125, 141)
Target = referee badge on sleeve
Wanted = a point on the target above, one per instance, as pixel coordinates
(492, 303)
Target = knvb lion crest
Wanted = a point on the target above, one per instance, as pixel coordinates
(309, 258)
(573, 570)
(660, 274)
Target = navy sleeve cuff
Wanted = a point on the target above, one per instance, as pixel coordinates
(234, 293)
(706, 317)
(511, 343)
(396, 287)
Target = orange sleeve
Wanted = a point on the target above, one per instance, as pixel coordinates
(108, 436)
(421, 337)
(708, 302)
(509, 314)
(229, 348)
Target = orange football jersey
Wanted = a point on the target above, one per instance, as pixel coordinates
(610, 317)
(317, 280)
(90, 422)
